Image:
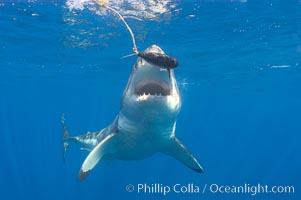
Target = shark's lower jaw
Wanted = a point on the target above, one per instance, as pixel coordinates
(152, 89)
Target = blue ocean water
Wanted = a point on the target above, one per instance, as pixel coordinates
(239, 77)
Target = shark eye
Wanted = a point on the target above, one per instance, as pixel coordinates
(139, 62)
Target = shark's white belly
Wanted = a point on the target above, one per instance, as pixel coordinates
(140, 137)
(136, 147)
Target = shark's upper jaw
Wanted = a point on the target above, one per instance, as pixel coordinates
(151, 82)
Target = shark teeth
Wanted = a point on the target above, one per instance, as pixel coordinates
(145, 97)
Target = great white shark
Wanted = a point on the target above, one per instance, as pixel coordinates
(145, 124)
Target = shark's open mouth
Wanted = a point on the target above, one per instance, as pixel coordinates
(152, 87)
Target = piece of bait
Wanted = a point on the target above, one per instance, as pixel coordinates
(159, 59)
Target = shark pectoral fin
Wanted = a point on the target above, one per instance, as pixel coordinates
(95, 155)
(177, 150)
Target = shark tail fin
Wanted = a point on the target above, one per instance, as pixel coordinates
(178, 151)
(66, 136)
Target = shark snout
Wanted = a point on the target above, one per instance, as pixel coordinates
(154, 49)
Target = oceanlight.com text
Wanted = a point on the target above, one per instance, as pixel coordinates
(250, 189)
